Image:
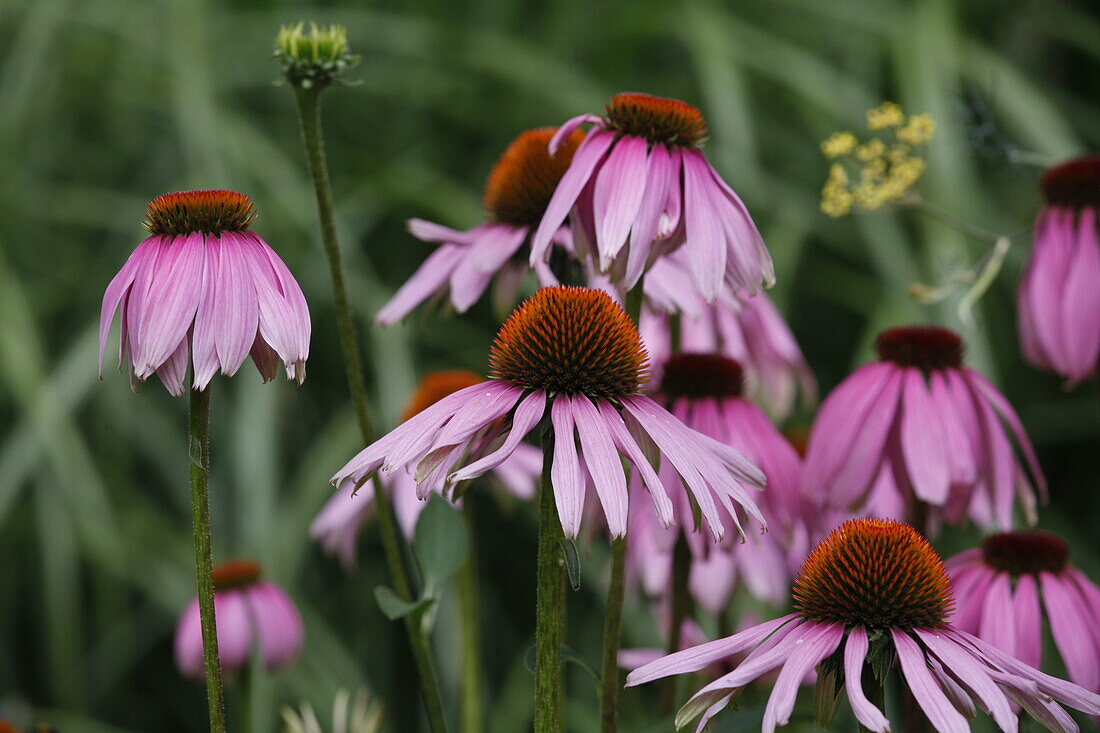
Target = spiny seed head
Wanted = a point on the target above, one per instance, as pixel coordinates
(436, 386)
(571, 341)
(659, 120)
(1074, 184)
(1026, 553)
(524, 178)
(314, 58)
(926, 347)
(190, 212)
(698, 376)
(875, 573)
(236, 574)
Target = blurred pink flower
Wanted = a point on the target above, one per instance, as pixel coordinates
(248, 611)
(639, 187)
(204, 288)
(999, 586)
(849, 604)
(1059, 299)
(516, 195)
(918, 430)
(337, 525)
(747, 328)
(574, 355)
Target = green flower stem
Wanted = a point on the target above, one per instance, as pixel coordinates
(473, 715)
(681, 568)
(612, 633)
(309, 114)
(875, 691)
(549, 601)
(198, 450)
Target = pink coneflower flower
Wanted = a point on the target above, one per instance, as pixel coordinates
(571, 355)
(639, 187)
(337, 525)
(747, 328)
(1059, 301)
(999, 586)
(249, 611)
(918, 430)
(516, 195)
(204, 288)
(705, 392)
(875, 589)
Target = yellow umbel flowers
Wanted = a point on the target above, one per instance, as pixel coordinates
(879, 170)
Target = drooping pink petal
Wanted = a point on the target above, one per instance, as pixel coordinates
(939, 710)
(188, 641)
(996, 611)
(588, 156)
(432, 275)
(1029, 623)
(234, 623)
(618, 191)
(299, 323)
(1071, 626)
(117, 289)
(922, 441)
(1008, 414)
(706, 246)
(816, 646)
(855, 652)
(960, 456)
(204, 352)
(526, 417)
(169, 309)
(278, 624)
(602, 460)
(562, 133)
(629, 448)
(659, 173)
(972, 674)
(174, 369)
(565, 474)
(696, 658)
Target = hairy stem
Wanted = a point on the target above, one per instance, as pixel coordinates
(198, 450)
(549, 602)
(473, 716)
(612, 633)
(309, 115)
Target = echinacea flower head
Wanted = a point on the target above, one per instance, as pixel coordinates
(466, 262)
(1058, 300)
(747, 328)
(918, 431)
(571, 359)
(205, 290)
(316, 57)
(639, 187)
(872, 594)
(337, 525)
(705, 392)
(251, 614)
(1005, 586)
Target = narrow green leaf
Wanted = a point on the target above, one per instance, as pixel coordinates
(394, 608)
(572, 562)
(440, 544)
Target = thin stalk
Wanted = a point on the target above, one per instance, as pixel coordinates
(244, 701)
(681, 567)
(198, 451)
(917, 202)
(549, 601)
(473, 716)
(308, 102)
(612, 633)
(875, 691)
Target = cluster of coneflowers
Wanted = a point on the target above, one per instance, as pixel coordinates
(625, 394)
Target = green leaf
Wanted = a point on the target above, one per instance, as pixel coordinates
(829, 691)
(393, 607)
(440, 544)
(572, 562)
(568, 656)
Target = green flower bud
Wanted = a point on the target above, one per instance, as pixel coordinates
(314, 58)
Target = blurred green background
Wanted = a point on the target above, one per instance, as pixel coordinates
(106, 103)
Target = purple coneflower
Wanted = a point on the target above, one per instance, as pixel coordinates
(639, 187)
(249, 611)
(516, 194)
(337, 525)
(204, 288)
(571, 354)
(1059, 300)
(875, 589)
(747, 328)
(999, 586)
(918, 430)
(705, 392)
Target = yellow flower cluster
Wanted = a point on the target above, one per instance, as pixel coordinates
(880, 170)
